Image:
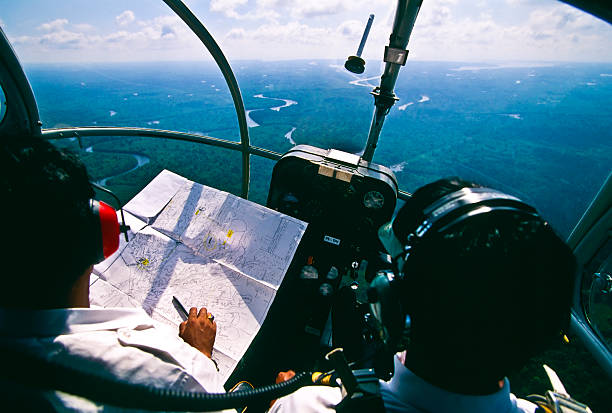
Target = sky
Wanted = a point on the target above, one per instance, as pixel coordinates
(445, 30)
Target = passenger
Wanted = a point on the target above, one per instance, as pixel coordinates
(483, 296)
(47, 258)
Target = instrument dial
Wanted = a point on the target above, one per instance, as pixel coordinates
(373, 200)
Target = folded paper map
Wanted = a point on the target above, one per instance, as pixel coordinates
(208, 248)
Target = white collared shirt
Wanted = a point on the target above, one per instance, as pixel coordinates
(121, 343)
(407, 393)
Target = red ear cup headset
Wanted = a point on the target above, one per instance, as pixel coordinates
(443, 214)
(105, 226)
(106, 229)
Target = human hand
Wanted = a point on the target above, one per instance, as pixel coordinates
(199, 330)
(281, 377)
(284, 376)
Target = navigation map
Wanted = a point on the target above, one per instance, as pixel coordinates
(243, 235)
(209, 249)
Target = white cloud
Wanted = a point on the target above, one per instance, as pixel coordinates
(229, 9)
(435, 12)
(54, 25)
(64, 40)
(221, 5)
(294, 40)
(236, 34)
(559, 18)
(161, 38)
(275, 10)
(315, 8)
(57, 36)
(524, 2)
(83, 27)
(125, 18)
(274, 4)
(559, 32)
(441, 32)
(351, 28)
(293, 32)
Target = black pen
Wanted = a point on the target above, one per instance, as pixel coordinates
(180, 308)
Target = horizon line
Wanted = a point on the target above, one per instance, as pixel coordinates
(372, 61)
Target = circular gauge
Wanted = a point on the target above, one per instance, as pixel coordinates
(373, 200)
(326, 289)
(309, 272)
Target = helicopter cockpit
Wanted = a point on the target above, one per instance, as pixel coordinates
(292, 138)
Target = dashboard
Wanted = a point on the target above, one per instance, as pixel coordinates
(344, 200)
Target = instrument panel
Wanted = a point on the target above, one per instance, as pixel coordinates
(345, 200)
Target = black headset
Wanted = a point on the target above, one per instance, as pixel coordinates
(438, 217)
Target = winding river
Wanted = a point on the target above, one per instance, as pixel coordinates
(140, 161)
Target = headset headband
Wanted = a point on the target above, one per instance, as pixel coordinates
(465, 203)
(447, 212)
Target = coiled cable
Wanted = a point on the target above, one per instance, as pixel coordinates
(36, 372)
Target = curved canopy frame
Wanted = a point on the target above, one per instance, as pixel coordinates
(206, 38)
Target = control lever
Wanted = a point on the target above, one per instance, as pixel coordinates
(355, 63)
(361, 391)
(337, 359)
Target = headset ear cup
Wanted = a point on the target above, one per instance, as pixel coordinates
(110, 229)
(105, 230)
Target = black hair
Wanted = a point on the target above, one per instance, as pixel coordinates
(488, 293)
(47, 218)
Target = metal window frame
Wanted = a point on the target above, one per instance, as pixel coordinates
(591, 231)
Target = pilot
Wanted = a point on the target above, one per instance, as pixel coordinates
(47, 260)
(485, 286)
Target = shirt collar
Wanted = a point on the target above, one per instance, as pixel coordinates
(44, 323)
(409, 389)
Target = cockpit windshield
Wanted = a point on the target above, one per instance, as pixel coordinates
(511, 94)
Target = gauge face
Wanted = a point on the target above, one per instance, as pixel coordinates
(373, 200)
(309, 273)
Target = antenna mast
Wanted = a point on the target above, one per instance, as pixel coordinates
(395, 57)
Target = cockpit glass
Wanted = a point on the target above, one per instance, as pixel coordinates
(124, 64)
(511, 94)
(2, 104)
(538, 131)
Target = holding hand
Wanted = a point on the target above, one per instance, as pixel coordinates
(284, 376)
(199, 330)
(281, 377)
